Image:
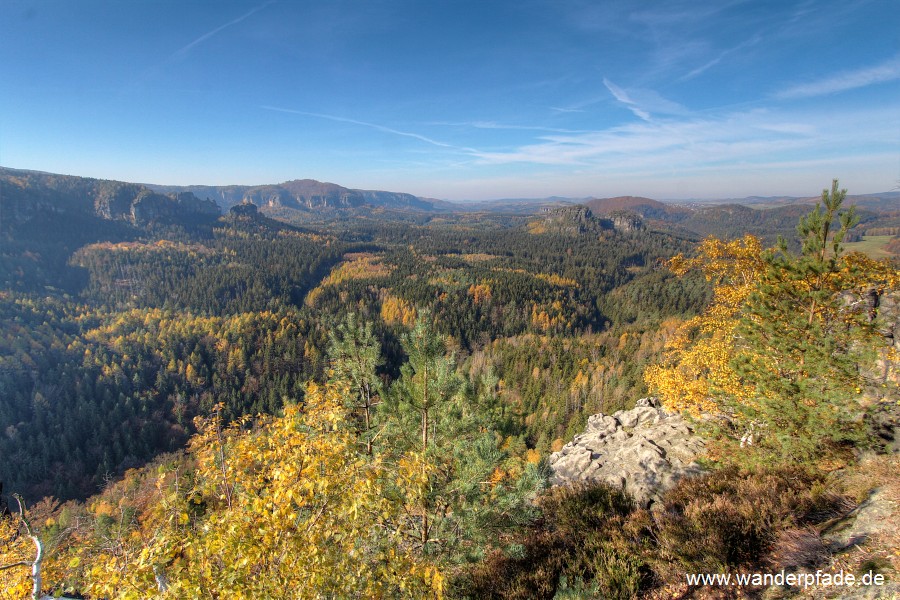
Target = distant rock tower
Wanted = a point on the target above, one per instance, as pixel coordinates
(244, 209)
(626, 221)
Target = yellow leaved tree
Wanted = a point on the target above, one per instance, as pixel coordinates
(696, 366)
(280, 507)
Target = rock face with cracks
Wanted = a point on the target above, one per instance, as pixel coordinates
(644, 451)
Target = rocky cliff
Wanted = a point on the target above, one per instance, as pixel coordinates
(580, 220)
(27, 194)
(625, 221)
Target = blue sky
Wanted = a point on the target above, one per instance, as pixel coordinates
(458, 99)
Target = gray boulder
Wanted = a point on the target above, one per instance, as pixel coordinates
(645, 451)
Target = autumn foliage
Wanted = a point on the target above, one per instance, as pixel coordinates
(696, 367)
(346, 494)
(282, 503)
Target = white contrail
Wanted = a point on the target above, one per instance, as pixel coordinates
(623, 97)
(371, 125)
(183, 51)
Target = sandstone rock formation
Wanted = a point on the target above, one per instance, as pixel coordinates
(645, 450)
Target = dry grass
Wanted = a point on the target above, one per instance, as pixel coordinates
(881, 552)
(873, 471)
(798, 548)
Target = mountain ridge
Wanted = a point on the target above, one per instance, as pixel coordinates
(311, 196)
(306, 195)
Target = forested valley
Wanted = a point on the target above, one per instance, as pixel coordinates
(237, 406)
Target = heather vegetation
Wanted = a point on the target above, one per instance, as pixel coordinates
(364, 408)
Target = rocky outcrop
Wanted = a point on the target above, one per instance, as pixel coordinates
(150, 207)
(571, 220)
(247, 209)
(645, 451)
(865, 521)
(868, 528)
(580, 220)
(625, 221)
(113, 200)
(883, 395)
(886, 308)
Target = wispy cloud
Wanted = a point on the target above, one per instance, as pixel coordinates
(182, 52)
(374, 126)
(581, 105)
(722, 56)
(707, 142)
(623, 97)
(643, 102)
(678, 15)
(155, 70)
(675, 146)
(506, 126)
(848, 80)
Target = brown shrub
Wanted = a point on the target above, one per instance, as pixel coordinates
(579, 539)
(593, 540)
(798, 548)
(532, 574)
(574, 510)
(732, 518)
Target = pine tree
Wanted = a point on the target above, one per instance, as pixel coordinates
(355, 355)
(802, 341)
(781, 350)
(423, 399)
(471, 490)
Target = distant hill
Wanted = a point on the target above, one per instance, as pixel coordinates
(884, 202)
(887, 202)
(26, 194)
(305, 195)
(304, 200)
(735, 220)
(45, 217)
(767, 219)
(517, 206)
(645, 207)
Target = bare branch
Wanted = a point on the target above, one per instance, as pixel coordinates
(21, 563)
(39, 551)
